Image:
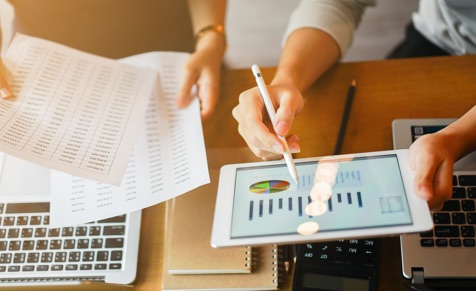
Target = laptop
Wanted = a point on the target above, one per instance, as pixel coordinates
(101, 253)
(449, 250)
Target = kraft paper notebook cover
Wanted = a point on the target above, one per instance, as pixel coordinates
(191, 224)
(264, 275)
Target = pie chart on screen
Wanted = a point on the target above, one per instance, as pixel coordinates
(269, 186)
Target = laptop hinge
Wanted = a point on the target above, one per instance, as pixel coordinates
(418, 276)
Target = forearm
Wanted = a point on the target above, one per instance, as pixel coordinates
(462, 134)
(205, 13)
(307, 54)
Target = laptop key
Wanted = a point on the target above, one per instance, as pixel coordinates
(114, 230)
(71, 267)
(467, 180)
(28, 268)
(446, 231)
(114, 243)
(5, 258)
(42, 268)
(120, 218)
(57, 268)
(13, 268)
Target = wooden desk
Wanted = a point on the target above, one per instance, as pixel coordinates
(386, 90)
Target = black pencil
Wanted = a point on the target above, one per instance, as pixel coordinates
(345, 117)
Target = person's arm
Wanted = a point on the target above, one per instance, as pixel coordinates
(432, 157)
(317, 36)
(203, 67)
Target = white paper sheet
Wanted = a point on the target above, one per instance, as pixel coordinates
(72, 111)
(169, 157)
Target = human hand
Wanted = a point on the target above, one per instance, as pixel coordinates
(432, 161)
(254, 124)
(5, 91)
(203, 70)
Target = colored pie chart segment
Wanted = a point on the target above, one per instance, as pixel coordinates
(269, 187)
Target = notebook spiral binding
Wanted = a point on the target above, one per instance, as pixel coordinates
(251, 258)
(278, 266)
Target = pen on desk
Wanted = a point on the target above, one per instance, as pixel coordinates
(270, 108)
(345, 117)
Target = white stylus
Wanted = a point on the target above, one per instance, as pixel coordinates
(270, 108)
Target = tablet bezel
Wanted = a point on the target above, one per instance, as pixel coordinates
(222, 222)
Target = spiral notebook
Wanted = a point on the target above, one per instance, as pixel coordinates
(191, 218)
(190, 263)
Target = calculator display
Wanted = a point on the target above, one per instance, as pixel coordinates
(349, 193)
(328, 282)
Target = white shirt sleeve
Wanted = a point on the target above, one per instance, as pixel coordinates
(338, 18)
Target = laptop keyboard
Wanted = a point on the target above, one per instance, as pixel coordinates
(454, 224)
(29, 245)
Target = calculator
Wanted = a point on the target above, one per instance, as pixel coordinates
(337, 265)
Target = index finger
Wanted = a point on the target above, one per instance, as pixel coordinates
(5, 91)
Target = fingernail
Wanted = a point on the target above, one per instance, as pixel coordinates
(294, 148)
(277, 148)
(282, 127)
(5, 93)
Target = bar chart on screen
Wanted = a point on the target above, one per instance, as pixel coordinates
(291, 201)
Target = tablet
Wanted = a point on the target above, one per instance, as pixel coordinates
(337, 197)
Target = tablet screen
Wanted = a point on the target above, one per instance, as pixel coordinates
(351, 193)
